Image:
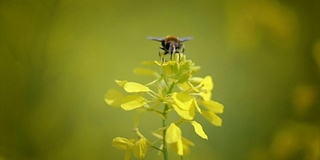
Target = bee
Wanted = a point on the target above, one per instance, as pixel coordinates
(171, 45)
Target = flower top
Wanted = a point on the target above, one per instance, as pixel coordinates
(175, 87)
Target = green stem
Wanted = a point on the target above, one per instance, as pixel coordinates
(151, 145)
(164, 124)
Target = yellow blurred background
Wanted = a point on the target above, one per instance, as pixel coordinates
(58, 58)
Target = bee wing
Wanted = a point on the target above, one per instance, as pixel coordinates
(183, 39)
(159, 39)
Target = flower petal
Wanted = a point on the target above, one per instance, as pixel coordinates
(183, 105)
(133, 87)
(122, 143)
(140, 148)
(113, 97)
(185, 86)
(185, 114)
(182, 100)
(212, 118)
(206, 95)
(207, 83)
(199, 130)
(197, 106)
(131, 102)
(128, 155)
(213, 106)
(180, 147)
(173, 134)
(195, 69)
(167, 69)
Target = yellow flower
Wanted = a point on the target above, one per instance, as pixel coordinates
(178, 91)
(131, 102)
(173, 134)
(184, 105)
(140, 148)
(124, 144)
(115, 98)
(199, 130)
(133, 87)
(213, 108)
(212, 118)
(206, 88)
(182, 147)
(207, 83)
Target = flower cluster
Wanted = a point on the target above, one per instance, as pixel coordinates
(174, 89)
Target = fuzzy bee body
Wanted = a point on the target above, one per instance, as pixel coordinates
(171, 45)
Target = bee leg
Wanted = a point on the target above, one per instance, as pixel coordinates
(182, 49)
(181, 53)
(161, 56)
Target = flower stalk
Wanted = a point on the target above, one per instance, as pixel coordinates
(177, 90)
(164, 124)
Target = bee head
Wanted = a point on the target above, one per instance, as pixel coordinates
(171, 44)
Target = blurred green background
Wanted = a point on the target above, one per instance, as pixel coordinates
(58, 58)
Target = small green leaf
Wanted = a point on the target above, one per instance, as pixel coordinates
(133, 87)
(131, 102)
(176, 67)
(199, 130)
(167, 69)
(184, 77)
(212, 118)
(195, 69)
(173, 134)
(184, 86)
(196, 79)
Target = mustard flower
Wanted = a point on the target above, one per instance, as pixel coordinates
(173, 89)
